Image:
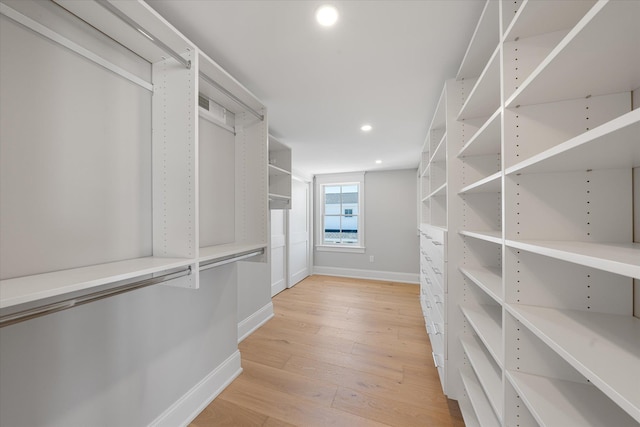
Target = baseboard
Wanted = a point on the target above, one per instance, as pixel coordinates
(253, 322)
(278, 287)
(187, 408)
(298, 277)
(355, 273)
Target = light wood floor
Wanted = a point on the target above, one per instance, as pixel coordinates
(339, 352)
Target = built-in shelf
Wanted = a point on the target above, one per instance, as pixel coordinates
(486, 140)
(542, 17)
(484, 98)
(608, 32)
(440, 153)
(440, 191)
(489, 236)
(619, 258)
(28, 289)
(486, 320)
(469, 416)
(490, 184)
(212, 253)
(275, 170)
(279, 175)
(605, 348)
(613, 145)
(555, 402)
(489, 375)
(481, 406)
(489, 279)
(483, 42)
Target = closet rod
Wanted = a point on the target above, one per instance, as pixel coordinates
(21, 316)
(230, 259)
(230, 95)
(133, 24)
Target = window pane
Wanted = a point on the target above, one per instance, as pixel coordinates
(350, 229)
(332, 200)
(331, 232)
(350, 198)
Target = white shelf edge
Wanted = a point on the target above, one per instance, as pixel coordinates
(468, 415)
(589, 138)
(479, 402)
(29, 289)
(485, 185)
(486, 278)
(440, 191)
(480, 132)
(487, 73)
(438, 148)
(483, 323)
(594, 352)
(279, 196)
(211, 253)
(480, 31)
(555, 402)
(489, 236)
(434, 124)
(619, 258)
(279, 170)
(490, 381)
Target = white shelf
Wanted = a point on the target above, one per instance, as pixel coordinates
(619, 258)
(440, 191)
(554, 402)
(608, 32)
(490, 184)
(275, 170)
(605, 348)
(484, 98)
(211, 253)
(613, 145)
(489, 236)
(484, 40)
(486, 278)
(489, 375)
(481, 406)
(469, 417)
(486, 140)
(28, 289)
(486, 320)
(542, 17)
(440, 153)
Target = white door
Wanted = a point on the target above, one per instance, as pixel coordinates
(299, 232)
(278, 251)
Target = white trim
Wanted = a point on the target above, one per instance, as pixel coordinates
(189, 406)
(65, 42)
(391, 276)
(341, 248)
(247, 326)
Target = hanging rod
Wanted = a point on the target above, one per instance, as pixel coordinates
(230, 95)
(232, 258)
(133, 24)
(21, 316)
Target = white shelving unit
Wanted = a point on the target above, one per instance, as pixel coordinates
(191, 189)
(279, 175)
(542, 261)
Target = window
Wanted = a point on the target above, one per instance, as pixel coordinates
(340, 212)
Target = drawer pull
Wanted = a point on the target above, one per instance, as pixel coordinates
(428, 280)
(435, 242)
(436, 270)
(435, 328)
(437, 299)
(435, 360)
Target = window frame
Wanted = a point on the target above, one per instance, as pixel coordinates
(322, 181)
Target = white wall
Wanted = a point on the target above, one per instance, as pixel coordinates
(121, 361)
(390, 232)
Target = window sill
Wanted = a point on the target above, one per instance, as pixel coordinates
(347, 249)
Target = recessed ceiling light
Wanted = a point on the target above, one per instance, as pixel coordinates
(378, 162)
(365, 128)
(327, 15)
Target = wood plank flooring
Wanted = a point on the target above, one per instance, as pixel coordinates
(339, 352)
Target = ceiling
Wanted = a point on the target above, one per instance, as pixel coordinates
(383, 63)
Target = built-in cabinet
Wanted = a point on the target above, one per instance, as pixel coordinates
(540, 254)
(152, 161)
(279, 175)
